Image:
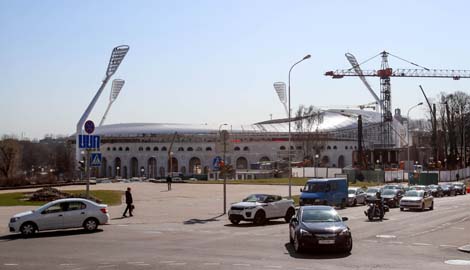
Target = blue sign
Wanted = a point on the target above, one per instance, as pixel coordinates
(89, 126)
(216, 162)
(95, 160)
(89, 141)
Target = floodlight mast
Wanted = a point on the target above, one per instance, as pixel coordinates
(115, 60)
(115, 90)
(280, 88)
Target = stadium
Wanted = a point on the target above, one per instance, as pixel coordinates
(145, 149)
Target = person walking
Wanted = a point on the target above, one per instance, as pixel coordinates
(129, 202)
(168, 181)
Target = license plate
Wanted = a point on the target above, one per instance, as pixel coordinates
(327, 242)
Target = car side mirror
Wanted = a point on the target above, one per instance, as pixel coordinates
(345, 218)
(301, 190)
(294, 219)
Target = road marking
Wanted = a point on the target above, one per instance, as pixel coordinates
(152, 232)
(211, 263)
(422, 244)
(302, 268)
(385, 236)
(457, 262)
(273, 266)
(10, 264)
(177, 263)
(395, 242)
(167, 261)
(106, 266)
(449, 246)
(371, 241)
(457, 228)
(136, 263)
(241, 264)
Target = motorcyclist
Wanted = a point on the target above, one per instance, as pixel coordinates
(380, 202)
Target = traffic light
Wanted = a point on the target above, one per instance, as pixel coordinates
(81, 165)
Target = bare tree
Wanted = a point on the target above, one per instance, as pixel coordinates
(307, 120)
(10, 157)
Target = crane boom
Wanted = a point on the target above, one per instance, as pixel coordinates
(420, 73)
(358, 70)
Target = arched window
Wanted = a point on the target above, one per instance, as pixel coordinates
(155, 148)
(236, 148)
(180, 149)
(282, 147)
(114, 148)
(242, 163)
(164, 148)
(299, 147)
(199, 149)
(346, 147)
(120, 149)
(328, 147)
(334, 147)
(127, 148)
(208, 148)
(246, 148)
(147, 148)
(141, 148)
(190, 149)
(109, 148)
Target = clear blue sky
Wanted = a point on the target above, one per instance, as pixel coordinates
(213, 61)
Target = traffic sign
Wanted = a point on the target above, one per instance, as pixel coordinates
(216, 162)
(95, 160)
(89, 126)
(89, 141)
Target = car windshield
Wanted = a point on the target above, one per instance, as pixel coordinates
(414, 193)
(316, 215)
(315, 187)
(255, 198)
(372, 190)
(351, 191)
(389, 192)
(390, 187)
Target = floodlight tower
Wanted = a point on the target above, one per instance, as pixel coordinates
(280, 88)
(115, 90)
(117, 55)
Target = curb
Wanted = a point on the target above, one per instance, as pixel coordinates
(465, 248)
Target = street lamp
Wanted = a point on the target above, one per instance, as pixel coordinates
(408, 131)
(316, 164)
(142, 170)
(115, 90)
(118, 173)
(289, 113)
(224, 138)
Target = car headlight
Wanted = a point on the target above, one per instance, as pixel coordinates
(250, 207)
(305, 233)
(317, 200)
(14, 219)
(345, 232)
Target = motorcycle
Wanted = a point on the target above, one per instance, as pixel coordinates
(375, 211)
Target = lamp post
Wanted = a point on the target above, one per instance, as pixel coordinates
(408, 132)
(316, 164)
(224, 138)
(289, 118)
(117, 172)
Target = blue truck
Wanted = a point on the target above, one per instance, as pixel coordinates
(327, 191)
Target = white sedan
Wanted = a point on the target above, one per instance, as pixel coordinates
(261, 207)
(61, 214)
(417, 199)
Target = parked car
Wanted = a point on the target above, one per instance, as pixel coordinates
(259, 208)
(319, 227)
(392, 197)
(448, 189)
(417, 199)
(329, 191)
(436, 190)
(396, 186)
(371, 192)
(460, 188)
(61, 214)
(419, 187)
(356, 195)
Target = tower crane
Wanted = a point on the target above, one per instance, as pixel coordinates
(385, 73)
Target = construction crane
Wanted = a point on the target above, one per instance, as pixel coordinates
(385, 73)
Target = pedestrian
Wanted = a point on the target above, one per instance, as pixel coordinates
(129, 202)
(168, 181)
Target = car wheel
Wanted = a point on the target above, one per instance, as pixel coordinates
(260, 218)
(402, 209)
(354, 202)
(28, 228)
(235, 221)
(422, 207)
(291, 240)
(348, 246)
(90, 225)
(289, 214)
(432, 206)
(343, 204)
(297, 246)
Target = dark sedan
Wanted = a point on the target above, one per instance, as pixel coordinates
(448, 189)
(436, 190)
(392, 197)
(319, 227)
(460, 188)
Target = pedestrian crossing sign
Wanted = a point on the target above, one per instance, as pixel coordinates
(95, 160)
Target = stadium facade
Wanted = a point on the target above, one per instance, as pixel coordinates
(144, 150)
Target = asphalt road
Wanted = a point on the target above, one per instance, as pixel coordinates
(173, 236)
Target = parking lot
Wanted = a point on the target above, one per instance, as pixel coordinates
(184, 229)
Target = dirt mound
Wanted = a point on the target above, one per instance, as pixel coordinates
(49, 194)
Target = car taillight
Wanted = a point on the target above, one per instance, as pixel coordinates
(104, 210)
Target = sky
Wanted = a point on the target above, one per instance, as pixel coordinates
(214, 61)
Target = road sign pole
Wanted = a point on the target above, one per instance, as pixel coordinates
(87, 171)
